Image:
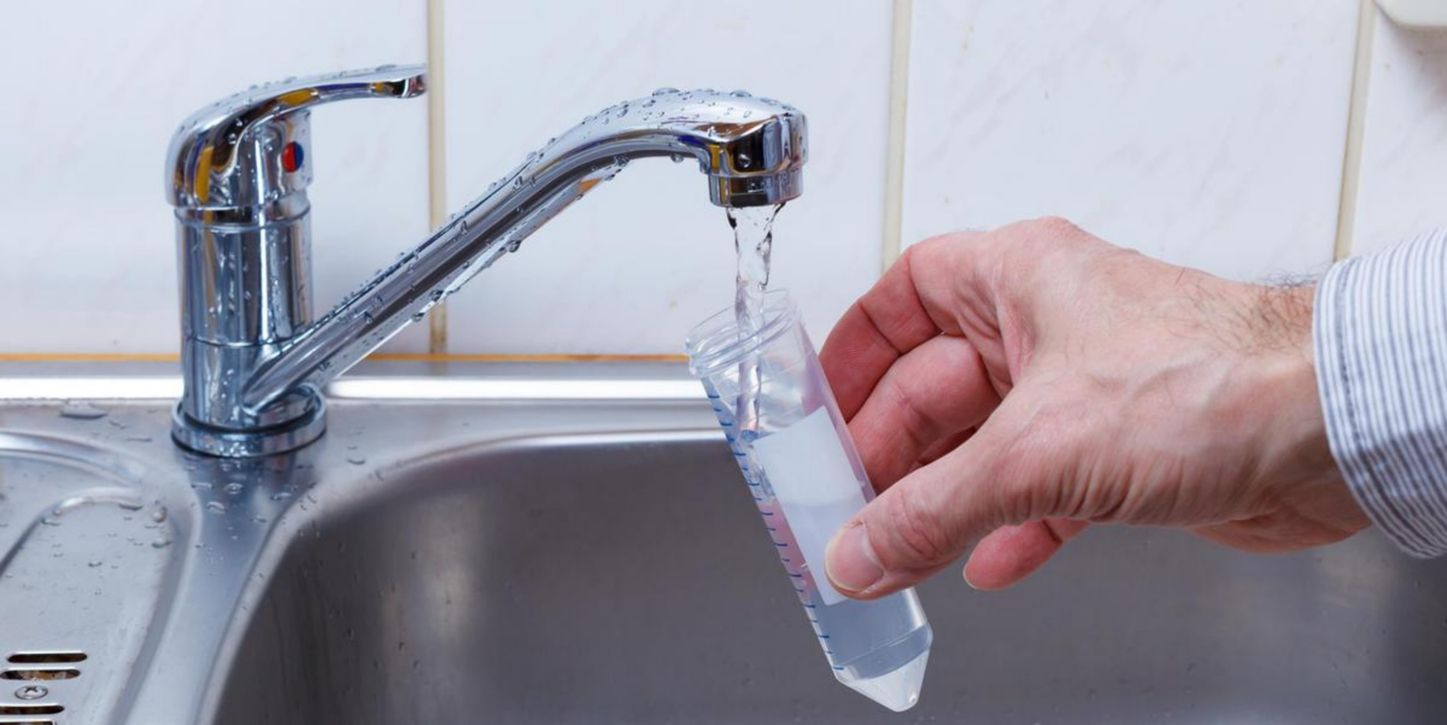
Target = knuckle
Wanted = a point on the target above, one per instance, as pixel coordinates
(1056, 227)
(1032, 244)
(933, 247)
(918, 533)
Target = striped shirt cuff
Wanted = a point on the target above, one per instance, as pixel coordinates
(1380, 331)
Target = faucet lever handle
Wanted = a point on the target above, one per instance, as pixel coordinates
(249, 149)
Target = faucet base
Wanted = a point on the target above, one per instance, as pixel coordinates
(213, 441)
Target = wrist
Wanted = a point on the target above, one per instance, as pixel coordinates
(1294, 439)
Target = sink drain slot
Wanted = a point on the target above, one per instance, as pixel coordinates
(46, 657)
(40, 673)
(7, 708)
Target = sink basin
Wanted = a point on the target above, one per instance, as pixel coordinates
(626, 579)
(565, 559)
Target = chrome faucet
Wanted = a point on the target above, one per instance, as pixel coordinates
(253, 359)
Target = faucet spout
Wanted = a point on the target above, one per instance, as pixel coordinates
(752, 151)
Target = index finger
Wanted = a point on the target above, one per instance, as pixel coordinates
(907, 306)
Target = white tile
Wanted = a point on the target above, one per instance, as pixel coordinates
(87, 253)
(1403, 185)
(1206, 133)
(637, 263)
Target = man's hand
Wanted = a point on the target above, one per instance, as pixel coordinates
(1007, 388)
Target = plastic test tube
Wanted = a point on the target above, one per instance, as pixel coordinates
(807, 480)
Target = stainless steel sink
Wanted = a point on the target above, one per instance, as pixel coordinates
(536, 552)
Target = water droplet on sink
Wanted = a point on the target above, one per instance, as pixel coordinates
(356, 460)
(677, 158)
(131, 505)
(744, 161)
(417, 316)
(81, 411)
(280, 495)
(158, 514)
(94, 563)
(216, 507)
(741, 93)
(233, 488)
(665, 91)
(160, 543)
(50, 521)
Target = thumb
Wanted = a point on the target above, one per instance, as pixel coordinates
(927, 519)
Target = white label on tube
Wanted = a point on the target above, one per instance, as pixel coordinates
(815, 485)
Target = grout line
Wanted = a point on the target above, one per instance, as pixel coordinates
(81, 357)
(436, 159)
(89, 357)
(894, 155)
(1346, 216)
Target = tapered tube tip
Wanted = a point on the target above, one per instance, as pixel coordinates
(897, 690)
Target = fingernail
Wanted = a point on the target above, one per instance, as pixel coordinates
(850, 560)
(966, 574)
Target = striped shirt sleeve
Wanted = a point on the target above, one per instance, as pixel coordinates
(1380, 333)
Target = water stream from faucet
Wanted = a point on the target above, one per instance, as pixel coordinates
(753, 241)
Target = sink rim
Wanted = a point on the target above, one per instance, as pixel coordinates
(452, 380)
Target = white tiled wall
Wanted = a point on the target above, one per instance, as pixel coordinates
(645, 257)
(87, 248)
(1206, 133)
(1403, 185)
(1209, 134)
